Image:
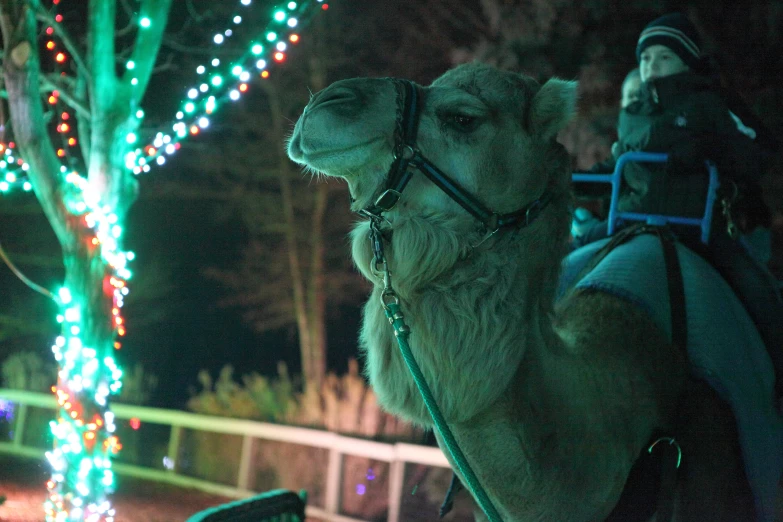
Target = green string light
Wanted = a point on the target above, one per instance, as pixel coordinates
(202, 100)
(86, 440)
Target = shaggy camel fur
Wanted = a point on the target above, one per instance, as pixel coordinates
(551, 405)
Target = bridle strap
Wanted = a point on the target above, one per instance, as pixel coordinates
(407, 127)
(407, 157)
(492, 221)
(405, 141)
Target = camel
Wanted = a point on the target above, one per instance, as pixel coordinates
(551, 403)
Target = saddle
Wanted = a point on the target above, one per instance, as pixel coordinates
(723, 347)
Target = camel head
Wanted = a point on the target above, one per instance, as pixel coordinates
(492, 132)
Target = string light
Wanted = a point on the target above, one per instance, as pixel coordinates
(84, 439)
(60, 58)
(13, 170)
(220, 82)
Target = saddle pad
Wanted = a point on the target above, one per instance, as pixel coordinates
(724, 347)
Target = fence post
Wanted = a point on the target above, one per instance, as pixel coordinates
(334, 481)
(173, 451)
(396, 478)
(21, 418)
(245, 458)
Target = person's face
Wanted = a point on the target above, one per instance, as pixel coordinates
(630, 91)
(658, 61)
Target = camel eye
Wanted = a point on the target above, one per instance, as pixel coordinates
(462, 122)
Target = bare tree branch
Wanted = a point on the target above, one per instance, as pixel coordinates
(83, 127)
(477, 24)
(222, 52)
(168, 65)
(59, 29)
(146, 47)
(109, 105)
(103, 81)
(21, 72)
(49, 83)
(132, 19)
(129, 12)
(194, 15)
(433, 27)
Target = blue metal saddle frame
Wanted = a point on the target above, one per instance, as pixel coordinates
(724, 347)
(615, 179)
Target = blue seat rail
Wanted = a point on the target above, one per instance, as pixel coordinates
(615, 178)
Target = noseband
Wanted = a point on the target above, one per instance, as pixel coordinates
(408, 158)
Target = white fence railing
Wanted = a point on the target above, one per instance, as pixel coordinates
(397, 455)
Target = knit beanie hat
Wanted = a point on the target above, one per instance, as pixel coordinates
(677, 33)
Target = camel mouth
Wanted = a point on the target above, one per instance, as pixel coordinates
(315, 154)
(340, 161)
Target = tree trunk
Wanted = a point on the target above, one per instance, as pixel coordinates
(297, 279)
(87, 215)
(87, 378)
(317, 292)
(308, 292)
(316, 298)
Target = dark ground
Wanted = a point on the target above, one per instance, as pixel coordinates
(22, 482)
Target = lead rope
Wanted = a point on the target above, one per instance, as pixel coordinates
(391, 306)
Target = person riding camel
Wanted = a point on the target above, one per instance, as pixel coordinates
(629, 91)
(683, 111)
(583, 218)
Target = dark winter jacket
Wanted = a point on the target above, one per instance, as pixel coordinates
(683, 115)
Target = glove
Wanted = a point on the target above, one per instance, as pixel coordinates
(582, 221)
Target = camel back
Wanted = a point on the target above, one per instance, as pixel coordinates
(724, 348)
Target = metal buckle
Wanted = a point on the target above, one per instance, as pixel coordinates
(404, 152)
(387, 200)
(672, 442)
(532, 212)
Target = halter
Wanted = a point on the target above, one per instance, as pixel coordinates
(408, 157)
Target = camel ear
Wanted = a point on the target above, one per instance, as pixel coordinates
(553, 107)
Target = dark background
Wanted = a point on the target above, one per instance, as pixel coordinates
(179, 228)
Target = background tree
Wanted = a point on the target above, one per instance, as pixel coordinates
(295, 261)
(106, 100)
(294, 268)
(294, 273)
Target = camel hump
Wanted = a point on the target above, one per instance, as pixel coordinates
(724, 347)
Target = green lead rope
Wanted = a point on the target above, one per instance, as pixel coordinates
(401, 331)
